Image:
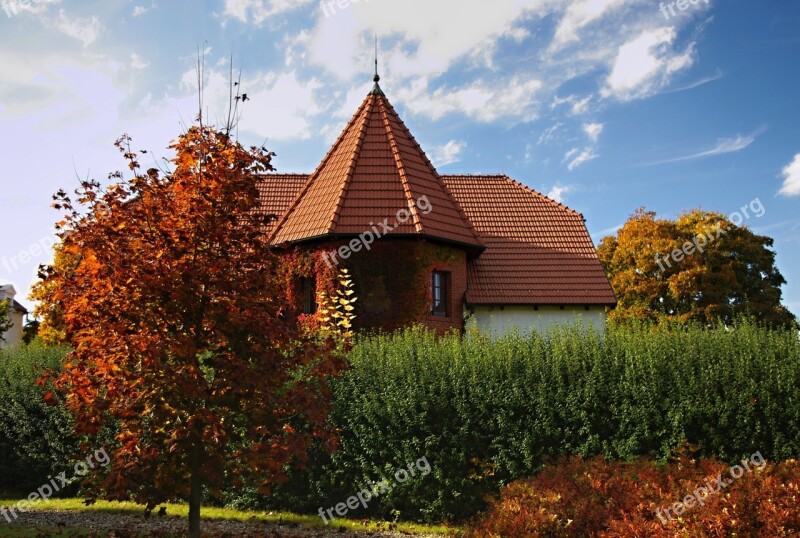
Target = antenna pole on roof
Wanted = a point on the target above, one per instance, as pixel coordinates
(376, 90)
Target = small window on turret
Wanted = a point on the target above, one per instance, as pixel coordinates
(439, 282)
(309, 294)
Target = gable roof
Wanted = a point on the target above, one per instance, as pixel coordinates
(374, 169)
(538, 251)
(18, 307)
(278, 191)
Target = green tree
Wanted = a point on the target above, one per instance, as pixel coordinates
(698, 267)
(5, 319)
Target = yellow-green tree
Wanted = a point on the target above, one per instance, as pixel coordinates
(698, 267)
(52, 330)
(5, 318)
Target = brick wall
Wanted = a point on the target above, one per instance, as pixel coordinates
(392, 281)
(457, 287)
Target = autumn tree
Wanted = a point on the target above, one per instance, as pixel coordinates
(699, 267)
(51, 328)
(168, 292)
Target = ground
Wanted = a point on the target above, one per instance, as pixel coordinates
(68, 518)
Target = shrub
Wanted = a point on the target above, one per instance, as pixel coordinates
(575, 498)
(36, 439)
(487, 411)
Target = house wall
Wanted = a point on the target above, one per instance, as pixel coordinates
(14, 335)
(457, 288)
(392, 283)
(500, 320)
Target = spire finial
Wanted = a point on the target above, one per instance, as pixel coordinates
(377, 77)
(376, 90)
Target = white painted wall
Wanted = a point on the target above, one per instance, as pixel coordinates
(498, 321)
(14, 335)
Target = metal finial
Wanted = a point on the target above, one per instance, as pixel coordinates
(376, 90)
(377, 77)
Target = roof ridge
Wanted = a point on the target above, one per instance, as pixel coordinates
(314, 175)
(438, 177)
(537, 193)
(401, 167)
(337, 209)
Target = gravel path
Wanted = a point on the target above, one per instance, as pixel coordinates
(133, 525)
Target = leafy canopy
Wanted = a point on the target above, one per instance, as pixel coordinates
(729, 271)
(166, 288)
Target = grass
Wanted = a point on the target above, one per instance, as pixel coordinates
(216, 513)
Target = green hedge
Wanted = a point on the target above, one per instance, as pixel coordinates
(485, 412)
(36, 439)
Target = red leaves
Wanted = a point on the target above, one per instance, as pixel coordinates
(596, 498)
(167, 292)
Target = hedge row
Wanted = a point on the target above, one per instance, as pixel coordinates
(486, 412)
(36, 440)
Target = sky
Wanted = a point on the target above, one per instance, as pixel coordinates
(604, 105)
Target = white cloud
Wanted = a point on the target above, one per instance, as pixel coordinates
(447, 153)
(576, 157)
(13, 8)
(86, 29)
(257, 11)
(138, 11)
(593, 130)
(138, 63)
(549, 134)
(723, 146)
(791, 178)
(518, 33)
(481, 101)
(645, 64)
(281, 106)
(558, 191)
(528, 152)
(426, 37)
(577, 105)
(697, 83)
(578, 15)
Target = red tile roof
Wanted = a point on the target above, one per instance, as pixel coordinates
(278, 191)
(537, 250)
(374, 169)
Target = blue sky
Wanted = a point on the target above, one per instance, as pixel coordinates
(606, 105)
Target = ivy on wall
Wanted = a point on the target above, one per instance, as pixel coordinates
(391, 280)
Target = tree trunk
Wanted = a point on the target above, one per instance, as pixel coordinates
(195, 493)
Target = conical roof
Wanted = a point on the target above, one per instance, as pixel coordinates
(375, 169)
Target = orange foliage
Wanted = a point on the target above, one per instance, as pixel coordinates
(182, 332)
(576, 498)
(728, 271)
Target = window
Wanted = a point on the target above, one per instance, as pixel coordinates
(309, 291)
(439, 281)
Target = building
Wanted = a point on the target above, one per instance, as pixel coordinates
(444, 251)
(17, 312)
